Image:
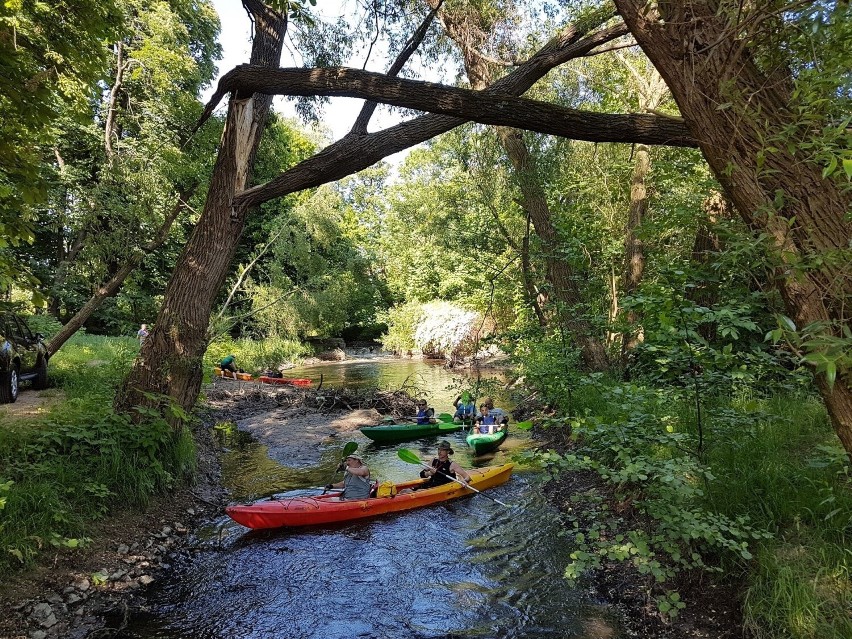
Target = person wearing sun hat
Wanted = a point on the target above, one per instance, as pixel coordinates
(443, 468)
(356, 478)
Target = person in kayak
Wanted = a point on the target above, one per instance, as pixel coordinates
(486, 423)
(425, 415)
(443, 468)
(465, 408)
(356, 479)
(498, 414)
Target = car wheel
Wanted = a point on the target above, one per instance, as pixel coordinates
(9, 386)
(40, 381)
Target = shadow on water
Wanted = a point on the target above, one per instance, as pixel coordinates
(467, 568)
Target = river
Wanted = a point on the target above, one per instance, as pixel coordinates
(468, 568)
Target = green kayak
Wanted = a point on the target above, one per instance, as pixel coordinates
(404, 432)
(486, 443)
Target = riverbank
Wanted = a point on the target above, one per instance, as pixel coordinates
(74, 594)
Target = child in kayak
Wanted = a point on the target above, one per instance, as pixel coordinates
(356, 479)
(498, 414)
(485, 421)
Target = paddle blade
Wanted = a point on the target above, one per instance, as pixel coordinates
(445, 417)
(349, 448)
(524, 425)
(408, 456)
(465, 397)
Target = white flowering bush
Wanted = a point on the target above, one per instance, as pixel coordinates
(446, 330)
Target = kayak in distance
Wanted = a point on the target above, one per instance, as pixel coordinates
(404, 432)
(316, 510)
(288, 381)
(482, 443)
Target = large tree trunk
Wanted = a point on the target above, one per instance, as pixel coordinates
(733, 109)
(170, 360)
(564, 290)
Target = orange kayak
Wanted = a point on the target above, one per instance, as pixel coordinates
(326, 509)
(246, 377)
(291, 381)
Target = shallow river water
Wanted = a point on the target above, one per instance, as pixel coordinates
(467, 568)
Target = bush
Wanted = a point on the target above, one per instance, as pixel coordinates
(73, 465)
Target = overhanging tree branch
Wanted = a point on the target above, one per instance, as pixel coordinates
(478, 106)
(354, 153)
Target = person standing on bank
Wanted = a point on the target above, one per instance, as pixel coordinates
(443, 468)
(356, 479)
(142, 333)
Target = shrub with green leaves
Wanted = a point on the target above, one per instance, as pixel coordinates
(79, 461)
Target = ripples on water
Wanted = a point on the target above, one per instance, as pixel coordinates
(467, 568)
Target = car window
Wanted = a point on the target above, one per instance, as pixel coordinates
(24, 330)
(4, 327)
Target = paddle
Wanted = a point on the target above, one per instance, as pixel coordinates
(412, 458)
(348, 449)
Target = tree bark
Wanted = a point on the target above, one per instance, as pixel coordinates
(651, 90)
(474, 105)
(733, 110)
(169, 363)
(356, 152)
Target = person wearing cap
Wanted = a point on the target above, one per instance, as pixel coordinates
(443, 468)
(356, 479)
(465, 408)
(425, 415)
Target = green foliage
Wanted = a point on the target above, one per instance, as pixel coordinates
(80, 460)
(828, 351)
(402, 323)
(766, 500)
(640, 449)
(51, 55)
(110, 191)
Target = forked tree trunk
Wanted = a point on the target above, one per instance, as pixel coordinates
(734, 111)
(169, 363)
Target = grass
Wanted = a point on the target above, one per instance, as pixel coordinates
(789, 474)
(71, 465)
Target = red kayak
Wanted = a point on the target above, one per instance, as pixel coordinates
(290, 381)
(327, 509)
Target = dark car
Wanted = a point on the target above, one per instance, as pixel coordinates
(23, 356)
